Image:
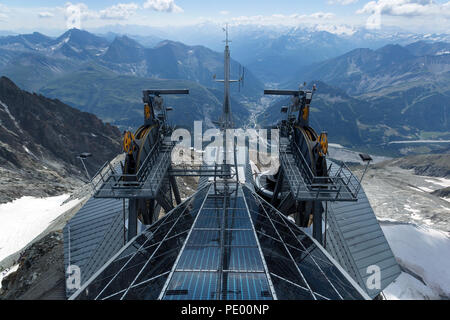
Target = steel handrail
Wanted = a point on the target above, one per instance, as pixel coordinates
(343, 177)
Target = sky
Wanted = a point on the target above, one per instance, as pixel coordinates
(421, 16)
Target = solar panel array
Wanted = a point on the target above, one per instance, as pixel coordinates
(221, 258)
(298, 266)
(222, 245)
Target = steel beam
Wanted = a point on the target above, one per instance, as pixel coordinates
(175, 189)
(278, 186)
(162, 201)
(132, 218)
(317, 221)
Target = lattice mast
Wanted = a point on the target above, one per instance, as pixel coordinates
(226, 120)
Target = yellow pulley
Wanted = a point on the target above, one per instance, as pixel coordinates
(147, 111)
(305, 114)
(323, 141)
(128, 140)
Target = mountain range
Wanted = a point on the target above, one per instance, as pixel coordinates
(388, 94)
(392, 66)
(166, 60)
(52, 66)
(118, 98)
(375, 120)
(40, 139)
(274, 53)
(366, 97)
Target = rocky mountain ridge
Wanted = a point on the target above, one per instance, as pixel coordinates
(40, 140)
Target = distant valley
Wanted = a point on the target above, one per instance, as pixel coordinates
(378, 96)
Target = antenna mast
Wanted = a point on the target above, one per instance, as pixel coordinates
(227, 119)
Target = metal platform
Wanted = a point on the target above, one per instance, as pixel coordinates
(339, 185)
(145, 183)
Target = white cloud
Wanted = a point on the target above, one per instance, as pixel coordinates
(281, 19)
(342, 2)
(403, 8)
(121, 11)
(322, 15)
(224, 12)
(45, 14)
(335, 29)
(4, 10)
(76, 13)
(406, 8)
(162, 5)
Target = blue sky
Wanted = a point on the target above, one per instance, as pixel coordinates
(414, 15)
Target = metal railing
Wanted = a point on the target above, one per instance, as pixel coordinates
(340, 184)
(117, 180)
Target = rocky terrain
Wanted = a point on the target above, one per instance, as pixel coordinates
(40, 140)
(400, 195)
(40, 273)
(409, 172)
(443, 193)
(435, 165)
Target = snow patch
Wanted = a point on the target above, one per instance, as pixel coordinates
(5, 107)
(415, 213)
(29, 152)
(440, 181)
(60, 44)
(415, 189)
(7, 272)
(418, 141)
(425, 189)
(26, 218)
(336, 145)
(406, 287)
(424, 252)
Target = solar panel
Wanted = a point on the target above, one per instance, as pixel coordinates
(147, 256)
(239, 238)
(244, 259)
(222, 246)
(192, 286)
(247, 286)
(295, 258)
(199, 258)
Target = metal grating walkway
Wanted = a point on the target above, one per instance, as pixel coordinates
(339, 185)
(145, 183)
